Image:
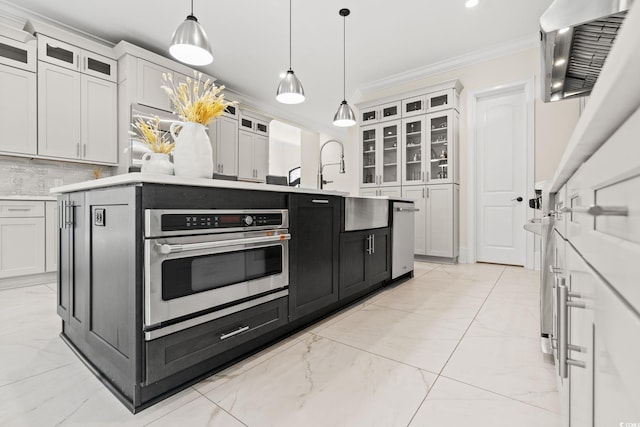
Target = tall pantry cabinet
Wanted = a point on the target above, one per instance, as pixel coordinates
(409, 148)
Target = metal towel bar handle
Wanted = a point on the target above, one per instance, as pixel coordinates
(596, 210)
(407, 210)
(170, 249)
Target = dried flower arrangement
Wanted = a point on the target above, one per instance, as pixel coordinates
(195, 101)
(148, 132)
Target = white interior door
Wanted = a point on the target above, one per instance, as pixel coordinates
(501, 177)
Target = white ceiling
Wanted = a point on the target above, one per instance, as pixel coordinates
(250, 38)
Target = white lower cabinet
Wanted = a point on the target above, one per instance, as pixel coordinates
(436, 232)
(253, 156)
(390, 192)
(223, 133)
(18, 107)
(51, 236)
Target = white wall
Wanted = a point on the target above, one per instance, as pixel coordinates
(284, 148)
(554, 122)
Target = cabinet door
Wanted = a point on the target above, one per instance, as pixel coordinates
(379, 260)
(369, 115)
(389, 150)
(439, 213)
(99, 122)
(414, 106)
(261, 128)
(413, 143)
(226, 146)
(21, 246)
(149, 85)
(439, 101)
(261, 157)
(369, 136)
(314, 250)
(51, 236)
(18, 54)
(440, 132)
(616, 375)
(245, 155)
(390, 111)
(99, 66)
(354, 247)
(58, 112)
(58, 53)
(418, 195)
(581, 284)
(18, 111)
(391, 192)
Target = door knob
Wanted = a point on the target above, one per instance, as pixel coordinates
(517, 199)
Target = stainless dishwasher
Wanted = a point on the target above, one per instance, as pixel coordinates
(402, 242)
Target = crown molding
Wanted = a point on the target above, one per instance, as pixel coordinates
(477, 56)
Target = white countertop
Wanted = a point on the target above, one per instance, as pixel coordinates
(615, 97)
(140, 178)
(29, 198)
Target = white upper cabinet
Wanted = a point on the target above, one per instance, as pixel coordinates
(379, 113)
(99, 101)
(58, 112)
(150, 84)
(75, 58)
(413, 149)
(18, 111)
(223, 132)
(253, 156)
(17, 54)
(414, 106)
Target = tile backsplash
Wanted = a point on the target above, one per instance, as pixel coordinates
(27, 177)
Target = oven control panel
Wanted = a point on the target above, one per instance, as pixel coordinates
(193, 221)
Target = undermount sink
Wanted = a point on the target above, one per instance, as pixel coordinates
(534, 226)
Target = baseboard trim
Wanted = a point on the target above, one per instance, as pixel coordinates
(31, 280)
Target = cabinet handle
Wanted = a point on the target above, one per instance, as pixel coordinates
(564, 361)
(369, 244)
(84, 150)
(423, 176)
(19, 209)
(427, 176)
(61, 209)
(78, 149)
(320, 201)
(427, 193)
(373, 243)
(221, 168)
(240, 330)
(596, 210)
(423, 193)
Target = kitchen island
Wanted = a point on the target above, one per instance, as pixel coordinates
(166, 280)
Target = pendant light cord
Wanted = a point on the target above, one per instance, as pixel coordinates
(191, 7)
(290, 34)
(344, 58)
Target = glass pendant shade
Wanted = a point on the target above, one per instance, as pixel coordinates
(290, 90)
(344, 117)
(189, 43)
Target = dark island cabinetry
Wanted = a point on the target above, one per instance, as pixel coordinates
(314, 253)
(365, 260)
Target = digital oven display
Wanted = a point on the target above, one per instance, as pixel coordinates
(186, 222)
(230, 219)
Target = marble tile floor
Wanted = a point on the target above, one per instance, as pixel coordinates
(456, 345)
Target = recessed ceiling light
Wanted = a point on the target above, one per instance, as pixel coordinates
(471, 3)
(556, 85)
(563, 30)
(559, 62)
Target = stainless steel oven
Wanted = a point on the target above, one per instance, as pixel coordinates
(202, 262)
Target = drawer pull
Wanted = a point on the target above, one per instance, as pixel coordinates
(240, 330)
(320, 201)
(596, 210)
(19, 209)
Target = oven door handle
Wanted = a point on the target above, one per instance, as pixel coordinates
(171, 249)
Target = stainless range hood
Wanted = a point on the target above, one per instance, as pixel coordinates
(576, 36)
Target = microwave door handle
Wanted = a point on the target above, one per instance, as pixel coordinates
(171, 249)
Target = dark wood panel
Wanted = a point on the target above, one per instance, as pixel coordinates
(157, 196)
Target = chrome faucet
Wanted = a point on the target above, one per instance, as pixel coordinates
(321, 167)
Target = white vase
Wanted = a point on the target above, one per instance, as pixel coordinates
(192, 155)
(158, 163)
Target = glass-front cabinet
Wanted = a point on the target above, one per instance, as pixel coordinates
(381, 113)
(441, 148)
(438, 101)
(413, 138)
(429, 147)
(380, 148)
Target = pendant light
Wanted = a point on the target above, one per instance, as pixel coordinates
(189, 43)
(290, 89)
(344, 116)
